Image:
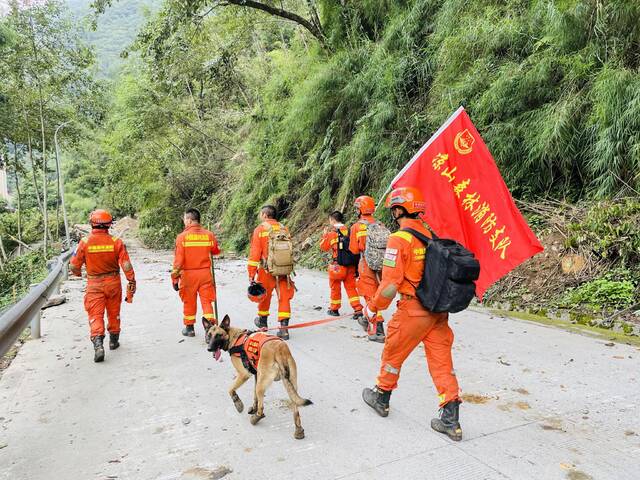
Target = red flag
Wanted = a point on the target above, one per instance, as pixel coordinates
(468, 201)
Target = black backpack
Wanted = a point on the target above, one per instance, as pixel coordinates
(345, 257)
(450, 272)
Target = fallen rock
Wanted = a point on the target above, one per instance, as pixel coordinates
(55, 301)
(308, 243)
(573, 264)
(201, 473)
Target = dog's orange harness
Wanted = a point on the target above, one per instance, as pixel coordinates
(248, 347)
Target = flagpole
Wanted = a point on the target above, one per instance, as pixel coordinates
(417, 155)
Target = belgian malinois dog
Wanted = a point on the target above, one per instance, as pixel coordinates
(275, 363)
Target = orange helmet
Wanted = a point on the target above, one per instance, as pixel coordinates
(100, 217)
(256, 292)
(365, 205)
(410, 198)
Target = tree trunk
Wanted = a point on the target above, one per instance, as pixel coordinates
(17, 178)
(45, 209)
(43, 149)
(33, 169)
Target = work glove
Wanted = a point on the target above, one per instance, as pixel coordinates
(176, 286)
(131, 290)
(369, 314)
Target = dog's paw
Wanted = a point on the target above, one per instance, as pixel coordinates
(256, 418)
(237, 402)
(299, 433)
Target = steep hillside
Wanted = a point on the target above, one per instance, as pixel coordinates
(229, 108)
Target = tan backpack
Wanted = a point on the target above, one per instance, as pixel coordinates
(279, 252)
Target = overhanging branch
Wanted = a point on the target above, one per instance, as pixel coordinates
(313, 27)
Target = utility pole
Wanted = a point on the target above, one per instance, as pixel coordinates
(61, 185)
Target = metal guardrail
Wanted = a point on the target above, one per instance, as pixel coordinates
(17, 318)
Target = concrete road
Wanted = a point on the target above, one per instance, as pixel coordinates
(542, 403)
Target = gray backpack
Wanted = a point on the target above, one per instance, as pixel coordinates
(377, 237)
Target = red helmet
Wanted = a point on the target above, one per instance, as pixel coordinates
(256, 292)
(410, 198)
(365, 205)
(100, 217)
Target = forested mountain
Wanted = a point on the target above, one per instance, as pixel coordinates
(115, 30)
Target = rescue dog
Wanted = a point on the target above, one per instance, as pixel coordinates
(275, 362)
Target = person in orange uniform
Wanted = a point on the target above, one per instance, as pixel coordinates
(339, 274)
(191, 275)
(367, 282)
(412, 323)
(283, 285)
(103, 256)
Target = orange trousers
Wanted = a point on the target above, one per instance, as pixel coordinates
(409, 326)
(367, 285)
(284, 289)
(338, 276)
(103, 294)
(193, 283)
(367, 282)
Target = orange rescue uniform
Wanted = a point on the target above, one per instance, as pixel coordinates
(339, 274)
(192, 269)
(367, 282)
(256, 265)
(103, 256)
(412, 323)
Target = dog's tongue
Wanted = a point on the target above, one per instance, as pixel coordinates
(217, 354)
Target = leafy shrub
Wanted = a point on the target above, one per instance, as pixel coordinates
(19, 273)
(612, 230)
(602, 293)
(159, 227)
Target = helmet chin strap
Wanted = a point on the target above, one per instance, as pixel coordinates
(404, 214)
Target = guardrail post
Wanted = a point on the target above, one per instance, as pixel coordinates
(35, 322)
(51, 264)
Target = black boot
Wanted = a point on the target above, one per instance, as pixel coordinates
(261, 321)
(359, 317)
(333, 313)
(378, 335)
(114, 341)
(283, 333)
(377, 399)
(98, 348)
(189, 331)
(448, 422)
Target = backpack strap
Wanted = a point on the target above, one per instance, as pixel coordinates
(420, 236)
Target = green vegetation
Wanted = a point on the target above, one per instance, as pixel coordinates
(225, 106)
(46, 87)
(613, 231)
(18, 274)
(602, 293)
(232, 109)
